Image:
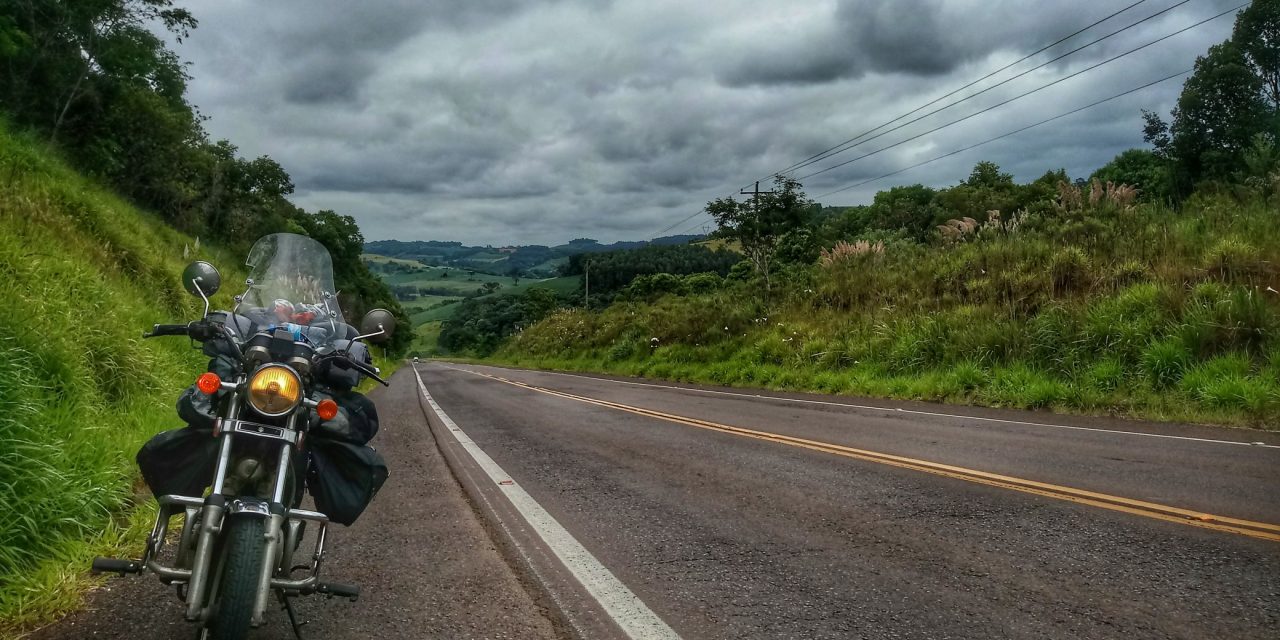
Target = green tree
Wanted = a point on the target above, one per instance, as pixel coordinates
(1257, 31)
(1232, 96)
(912, 208)
(760, 223)
(1141, 168)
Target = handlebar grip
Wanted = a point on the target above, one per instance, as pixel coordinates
(168, 330)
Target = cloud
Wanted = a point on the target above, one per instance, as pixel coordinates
(505, 121)
(930, 38)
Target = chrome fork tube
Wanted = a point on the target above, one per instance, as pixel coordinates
(275, 529)
(210, 523)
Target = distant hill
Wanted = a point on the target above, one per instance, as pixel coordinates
(534, 261)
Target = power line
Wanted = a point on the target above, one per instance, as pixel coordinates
(1011, 133)
(820, 155)
(988, 109)
(1020, 96)
(1019, 76)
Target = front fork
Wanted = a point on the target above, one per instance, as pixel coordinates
(212, 520)
(275, 528)
(210, 524)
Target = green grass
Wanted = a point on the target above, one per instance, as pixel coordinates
(83, 275)
(1145, 313)
(425, 338)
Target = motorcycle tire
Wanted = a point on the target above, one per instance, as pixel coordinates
(238, 587)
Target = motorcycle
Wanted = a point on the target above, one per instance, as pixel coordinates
(268, 400)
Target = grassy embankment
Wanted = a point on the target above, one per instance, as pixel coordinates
(1093, 308)
(84, 274)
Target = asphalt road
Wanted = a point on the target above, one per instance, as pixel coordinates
(726, 536)
(725, 533)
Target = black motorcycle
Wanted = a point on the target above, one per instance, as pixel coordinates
(274, 414)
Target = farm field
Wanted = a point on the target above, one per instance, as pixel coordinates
(441, 285)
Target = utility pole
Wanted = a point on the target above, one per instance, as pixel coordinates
(755, 193)
(586, 297)
(762, 260)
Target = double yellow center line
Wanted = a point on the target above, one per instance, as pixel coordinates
(1260, 530)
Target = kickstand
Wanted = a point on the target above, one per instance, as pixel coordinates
(293, 618)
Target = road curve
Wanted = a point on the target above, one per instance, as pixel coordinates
(728, 536)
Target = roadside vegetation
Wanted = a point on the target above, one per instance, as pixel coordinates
(1149, 289)
(1133, 309)
(85, 274)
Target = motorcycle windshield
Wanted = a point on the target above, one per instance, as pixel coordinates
(292, 287)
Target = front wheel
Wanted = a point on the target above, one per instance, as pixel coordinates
(237, 591)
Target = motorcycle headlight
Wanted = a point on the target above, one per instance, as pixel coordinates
(274, 390)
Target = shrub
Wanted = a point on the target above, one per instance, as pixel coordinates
(1164, 362)
(1239, 392)
(1053, 335)
(700, 283)
(770, 350)
(1198, 379)
(1232, 260)
(1128, 272)
(1218, 319)
(1106, 375)
(1025, 387)
(1122, 325)
(1069, 270)
(967, 376)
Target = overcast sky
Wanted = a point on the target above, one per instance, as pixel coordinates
(527, 121)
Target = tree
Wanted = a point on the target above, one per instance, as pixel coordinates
(1257, 31)
(1141, 168)
(987, 174)
(1232, 96)
(912, 208)
(64, 59)
(760, 223)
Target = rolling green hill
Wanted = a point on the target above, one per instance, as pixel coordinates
(430, 295)
(535, 261)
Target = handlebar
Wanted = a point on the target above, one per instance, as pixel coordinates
(343, 361)
(199, 330)
(203, 330)
(168, 330)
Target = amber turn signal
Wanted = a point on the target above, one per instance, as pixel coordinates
(208, 383)
(327, 409)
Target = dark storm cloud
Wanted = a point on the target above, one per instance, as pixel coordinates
(505, 121)
(340, 82)
(930, 38)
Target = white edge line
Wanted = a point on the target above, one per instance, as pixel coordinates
(619, 602)
(898, 410)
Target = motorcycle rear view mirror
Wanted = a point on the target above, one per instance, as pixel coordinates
(377, 326)
(201, 279)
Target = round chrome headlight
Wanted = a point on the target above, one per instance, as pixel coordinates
(274, 390)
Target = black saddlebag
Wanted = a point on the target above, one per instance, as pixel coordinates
(344, 477)
(179, 461)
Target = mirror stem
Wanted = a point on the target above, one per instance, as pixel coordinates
(195, 282)
(379, 332)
